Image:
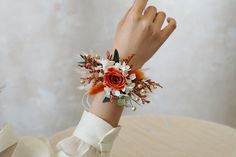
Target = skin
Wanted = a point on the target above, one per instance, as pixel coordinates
(139, 32)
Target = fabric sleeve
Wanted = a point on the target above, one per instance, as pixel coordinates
(93, 137)
(7, 137)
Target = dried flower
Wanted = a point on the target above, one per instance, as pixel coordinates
(121, 83)
(114, 79)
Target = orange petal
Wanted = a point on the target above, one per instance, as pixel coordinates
(96, 88)
(139, 74)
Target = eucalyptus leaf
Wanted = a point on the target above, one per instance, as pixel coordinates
(123, 100)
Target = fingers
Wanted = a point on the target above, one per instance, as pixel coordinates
(126, 14)
(150, 13)
(166, 31)
(159, 20)
(139, 6)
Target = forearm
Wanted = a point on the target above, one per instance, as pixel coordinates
(110, 112)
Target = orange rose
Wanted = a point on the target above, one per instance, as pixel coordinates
(114, 79)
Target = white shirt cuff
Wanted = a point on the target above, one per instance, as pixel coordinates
(91, 131)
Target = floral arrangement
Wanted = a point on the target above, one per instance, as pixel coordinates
(116, 77)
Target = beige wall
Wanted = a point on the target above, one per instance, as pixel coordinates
(40, 39)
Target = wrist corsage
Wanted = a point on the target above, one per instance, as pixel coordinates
(122, 84)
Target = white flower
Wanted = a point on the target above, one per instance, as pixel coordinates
(100, 74)
(117, 65)
(132, 76)
(128, 81)
(129, 87)
(107, 91)
(123, 90)
(116, 92)
(124, 68)
(132, 85)
(106, 63)
(98, 67)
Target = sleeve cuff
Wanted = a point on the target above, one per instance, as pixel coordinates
(7, 137)
(93, 131)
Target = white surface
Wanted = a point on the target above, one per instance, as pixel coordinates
(40, 39)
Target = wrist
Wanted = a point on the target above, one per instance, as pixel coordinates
(135, 62)
(115, 85)
(109, 112)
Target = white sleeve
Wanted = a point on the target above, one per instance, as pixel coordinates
(93, 137)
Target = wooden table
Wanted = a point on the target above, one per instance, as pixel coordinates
(168, 136)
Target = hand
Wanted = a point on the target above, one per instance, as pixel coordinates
(141, 34)
(136, 34)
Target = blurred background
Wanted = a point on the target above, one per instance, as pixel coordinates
(40, 41)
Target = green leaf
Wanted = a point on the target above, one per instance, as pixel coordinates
(82, 62)
(123, 100)
(82, 56)
(116, 56)
(106, 99)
